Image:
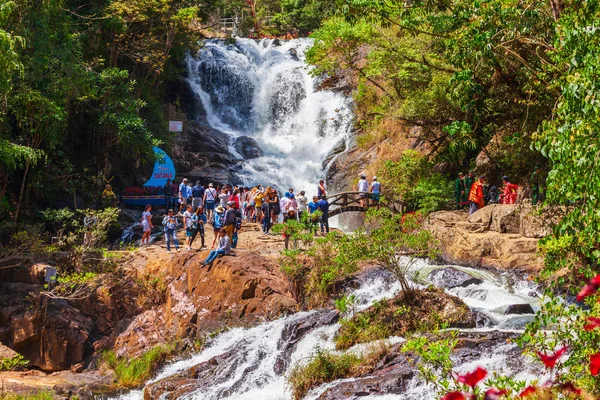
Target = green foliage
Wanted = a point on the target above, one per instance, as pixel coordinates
(302, 231)
(133, 372)
(326, 366)
(413, 180)
(41, 395)
(301, 17)
(395, 243)
(346, 305)
(18, 362)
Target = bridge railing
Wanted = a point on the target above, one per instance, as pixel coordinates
(351, 201)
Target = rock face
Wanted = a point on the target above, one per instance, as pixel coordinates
(497, 236)
(202, 153)
(451, 277)
(234, 291)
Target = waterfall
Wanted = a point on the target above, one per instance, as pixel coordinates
(264, 90)
(253, 362)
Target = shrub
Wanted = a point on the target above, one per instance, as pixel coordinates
(12, 364)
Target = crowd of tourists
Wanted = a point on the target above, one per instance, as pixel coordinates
(473, 191)
(196, 208)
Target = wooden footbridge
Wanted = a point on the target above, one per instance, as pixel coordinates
(350, 202)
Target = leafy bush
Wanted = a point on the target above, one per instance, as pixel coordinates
(326, 366)
(18, 362)
(42, 395)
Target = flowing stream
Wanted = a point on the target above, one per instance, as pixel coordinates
(250, 363)
(264, 90)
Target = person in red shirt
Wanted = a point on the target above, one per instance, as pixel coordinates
(476, 197)
(235, 199)
(509, 195)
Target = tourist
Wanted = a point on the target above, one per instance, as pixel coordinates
(363, 189)
(168, 192)
(459, 190)
(251, 209)
(312, 208)
(109, 198)
(147, 224)
(265, 211)
(234, 198)
(259, 199)
(321, 191)
(510, 190)
(197, 195)
(244, 200)
(182, 194)
(224, 248)
(238, 227)
(291, 209)
(273, 199)
(469, 180)
(476, 197)
(375, 190)
(170, 224)
(302, 204)
(536, 182)
(198, 221)
(187, 223)
(492, 196)
(323, 205)
(189, 194)
(230, 219)
(210, 196)
(285, 201)
(223, 198)
(217, 223)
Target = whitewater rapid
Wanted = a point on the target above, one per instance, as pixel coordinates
(265, 90)
(261, 345)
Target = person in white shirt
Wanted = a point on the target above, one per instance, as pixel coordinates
(187, 223)
(210, 197)
(363, 188)
(302, 204)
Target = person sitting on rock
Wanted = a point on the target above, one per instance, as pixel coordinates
(476, 197)
(224, 248)
(509, 195)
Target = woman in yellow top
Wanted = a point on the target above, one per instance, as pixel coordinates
(258, 200)
(109, 198)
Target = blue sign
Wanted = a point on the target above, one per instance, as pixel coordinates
(163, 169)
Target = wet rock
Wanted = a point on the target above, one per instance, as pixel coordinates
(451, 277)
(248, 148)
(519, 309)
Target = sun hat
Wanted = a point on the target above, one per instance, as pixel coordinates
(210, 185)
(220, 209)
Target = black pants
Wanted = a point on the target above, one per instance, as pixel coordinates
(195, 233)
(324, 224)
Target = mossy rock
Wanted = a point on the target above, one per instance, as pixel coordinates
(429, 309)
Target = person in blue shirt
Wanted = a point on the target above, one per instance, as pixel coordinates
(182, 194)
(323, 205)
(170, 224)
(198, 221)
(375, 190)
(197, 195)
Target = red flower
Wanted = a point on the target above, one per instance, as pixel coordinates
(529, 390)
(593, 324)
(494, 394)
(586, 291)
(454, 396)
(595, 364)
(473, 378)
(550, 360)
(595, 280)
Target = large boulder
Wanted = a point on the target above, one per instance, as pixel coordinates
(451, 277)
(248, 148)
(519, 309)
(506, 218)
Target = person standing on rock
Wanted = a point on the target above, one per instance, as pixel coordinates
(170, 225)
(323, 205)
(198, 196)
(217, 223)
(188, 223)
(198, 221)
(536, 182)
(258, 200)
(224, 248)
(302, 204)
(265, 211)
(460, 190)
(363, 189)
(469, 181)
(321, 191)
(476, 196)
(210, 196)
(147, 224)
(223, 198)
(182, 195)
(168, 192)
(230, 219)
(274, 206)
(510, 190)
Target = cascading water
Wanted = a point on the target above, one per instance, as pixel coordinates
(253, 362)
(264, 90)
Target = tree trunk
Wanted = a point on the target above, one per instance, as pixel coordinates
(557, 8)
(22, 192)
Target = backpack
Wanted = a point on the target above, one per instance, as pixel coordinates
(230, 217)
(238, 220)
